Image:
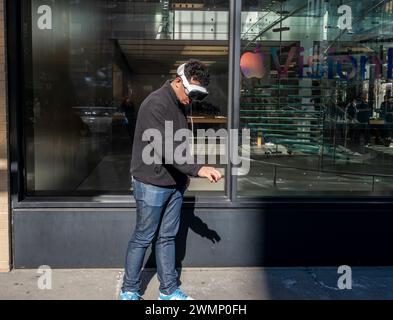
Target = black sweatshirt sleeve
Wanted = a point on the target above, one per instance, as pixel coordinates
(155, 119)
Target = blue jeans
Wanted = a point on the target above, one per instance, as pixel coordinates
(158, 213)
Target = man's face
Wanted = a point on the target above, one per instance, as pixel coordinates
(181, 90)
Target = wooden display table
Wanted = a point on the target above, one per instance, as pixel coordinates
(207, 119)
(376, 121)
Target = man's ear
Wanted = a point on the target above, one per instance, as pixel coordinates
(177, 81)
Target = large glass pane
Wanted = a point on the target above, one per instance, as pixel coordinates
(316, 94)
(88, 66)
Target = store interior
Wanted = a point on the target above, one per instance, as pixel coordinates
(315, 92)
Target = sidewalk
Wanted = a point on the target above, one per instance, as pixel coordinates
(207, 283)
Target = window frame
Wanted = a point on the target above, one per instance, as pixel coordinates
(231, 199)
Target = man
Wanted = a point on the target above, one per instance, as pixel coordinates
(365, 110)
(128, 108)
(386, 113)
(351, 110)
(159, 186)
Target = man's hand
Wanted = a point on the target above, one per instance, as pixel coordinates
(209, 172)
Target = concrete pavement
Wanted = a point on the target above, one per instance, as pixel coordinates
(205, 283)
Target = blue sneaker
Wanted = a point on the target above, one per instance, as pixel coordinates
(176, 295)
(129, 296)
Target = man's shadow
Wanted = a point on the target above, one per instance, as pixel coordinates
(188, 220)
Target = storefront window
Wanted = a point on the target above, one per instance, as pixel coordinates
(316, 95)
(89, 64)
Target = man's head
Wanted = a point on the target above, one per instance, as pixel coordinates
(190, 82)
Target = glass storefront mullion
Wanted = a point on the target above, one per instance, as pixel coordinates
(234, 89)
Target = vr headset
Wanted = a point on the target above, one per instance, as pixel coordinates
(193, 91)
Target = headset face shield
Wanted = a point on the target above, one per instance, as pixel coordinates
(193, 91)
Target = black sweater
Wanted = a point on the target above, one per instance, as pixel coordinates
(160, 106)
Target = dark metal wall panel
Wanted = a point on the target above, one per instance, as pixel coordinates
(267, 236)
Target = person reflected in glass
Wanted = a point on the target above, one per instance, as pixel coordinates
(350, 119)
(351, 111)
(128, 109)
(364, 113)
(386, 113)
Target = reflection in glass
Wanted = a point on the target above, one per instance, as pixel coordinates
(316, 94)
(89, 65)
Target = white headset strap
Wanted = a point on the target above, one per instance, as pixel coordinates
(180, 72)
